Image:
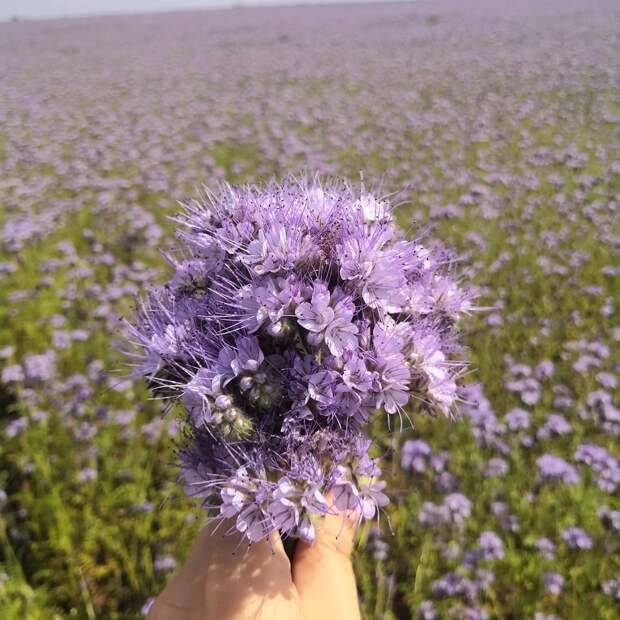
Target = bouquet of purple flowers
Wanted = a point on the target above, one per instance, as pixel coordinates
(294, 314)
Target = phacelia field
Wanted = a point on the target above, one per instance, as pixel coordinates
(492, 128)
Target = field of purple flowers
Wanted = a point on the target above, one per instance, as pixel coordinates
(498, 128)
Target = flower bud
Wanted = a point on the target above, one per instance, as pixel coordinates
(246, 383)
(275, 329)
(231, 414)
(223, 401)
(254, 394)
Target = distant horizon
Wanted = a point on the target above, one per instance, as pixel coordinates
(34, 10)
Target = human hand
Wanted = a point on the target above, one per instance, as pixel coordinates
(222, 579)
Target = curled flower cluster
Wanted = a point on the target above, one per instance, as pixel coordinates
(293, 314)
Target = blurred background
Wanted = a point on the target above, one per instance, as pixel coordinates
(37, 9)
(499, 126)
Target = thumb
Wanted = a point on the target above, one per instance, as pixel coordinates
(323, 573)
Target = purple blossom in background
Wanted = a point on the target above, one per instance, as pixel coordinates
(610, 518)
(40, 367)
(545, 369)
(16, 427)
(470, 613)
(426, 611)
(607, 380)
(433, 515)
(555, 469)
(554, 583)
(164, 563)
(87, 474)
(446, 482)
(295, 312)
(459, 508)
(415, 455)
(487, 429)
(454, 584)
(12, 374)
(546, 548)
(556, 424)
(454, 511)
(6, 352)
(576, 538)
(507, 520)
(496, 468)
(604, 464)
(518, 419)
(523, 383)
(491, 546)
(600, 406)
(611, 587)
(377, 546)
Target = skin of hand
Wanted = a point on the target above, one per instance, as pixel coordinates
(223, 579)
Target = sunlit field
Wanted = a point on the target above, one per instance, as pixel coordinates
(499, 132)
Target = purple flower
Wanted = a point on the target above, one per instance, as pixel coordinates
(426, 611)
(546, 548)
(496, 468)
(377, 546)
(471, 613)
(507, 520)
(518, 419)
(195, 396)
(611, 587)
(554, 469)
(454, 584)
(278, 248)
(545, 369)
(6, 352)
(333, 324)
(554, 583)
(16, 427)
(491, 546)
(164, 563)
(40, 367)
(604, 464)
(454, 511)
(610, 518)
(433, 515)
(372, 497)
(607, 380)
(556, 424)
(87, 474)
(248, 357)
(346, 494)
(283, 511)
(415, 455)
(12, 374)
(295, 312)
(254, 523)
(317, 314)
(459, 507)
(576, 538)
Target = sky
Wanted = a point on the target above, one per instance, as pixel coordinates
(64, 8)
